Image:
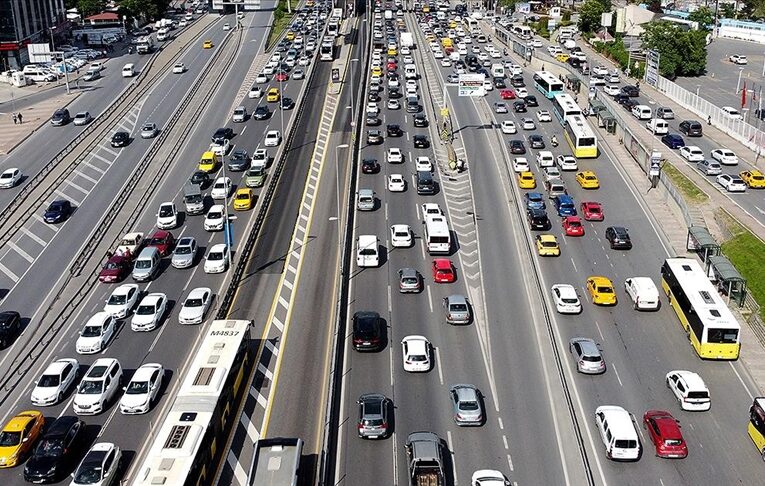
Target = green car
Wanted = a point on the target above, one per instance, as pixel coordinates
(255, 176)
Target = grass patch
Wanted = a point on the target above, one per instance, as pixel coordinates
(282, 19)
(742, 250)
(690, 191)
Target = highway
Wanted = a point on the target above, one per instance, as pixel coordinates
(162, 345)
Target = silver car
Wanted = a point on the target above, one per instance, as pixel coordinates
(373, 416)
(456, 309)
(586, 352)
(185, 253)
(149, 130)
(409, 281)
(466, 404)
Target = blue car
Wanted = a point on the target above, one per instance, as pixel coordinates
(673, 140)
(58, 211)
(534, 200)
(565, 206)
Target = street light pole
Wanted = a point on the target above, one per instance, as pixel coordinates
(226, 228)
(353, 91)
(738, 83)
(337, 192)
(63, 57)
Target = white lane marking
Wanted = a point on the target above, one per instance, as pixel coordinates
(613, 365)
(438, 365)
(602, 338)
(390, 349)
(9, 273)
(36, 238)
(510, 465)
(504, 441)
(430, 299)
(390, 301)
(574, 264)
(20, 251)
(501, 423)
(751, 396)
(454, 456)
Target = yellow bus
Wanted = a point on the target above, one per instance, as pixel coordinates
(580, 137)
(756, 427)
(712, 329)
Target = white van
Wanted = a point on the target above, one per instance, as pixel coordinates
(617, 431)
(39, 74)
(545, 158)
(367, 251)
(643, 292)
(657, 126)
(410, 71)
(642, 112)
(128, 70)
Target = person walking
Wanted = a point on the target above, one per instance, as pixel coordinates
(19, 117)
(15, 119)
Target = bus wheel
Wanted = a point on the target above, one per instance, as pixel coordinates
(763, 454)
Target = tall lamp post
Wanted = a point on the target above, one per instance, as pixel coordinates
(63, 57)
(353, 91)
(337, 191)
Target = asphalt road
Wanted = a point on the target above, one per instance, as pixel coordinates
(133, 349)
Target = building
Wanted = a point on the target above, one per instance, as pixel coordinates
(23, 22)
(629, 20)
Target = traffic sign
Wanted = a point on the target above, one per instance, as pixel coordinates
(471, 85)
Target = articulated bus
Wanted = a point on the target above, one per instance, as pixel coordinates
(547, 84)
(712, 329)
(756, 427)
(523, 31)
(565, 106)
(192, 437)
(437, 237)
(580, 137)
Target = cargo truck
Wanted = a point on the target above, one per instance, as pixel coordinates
(426, 465)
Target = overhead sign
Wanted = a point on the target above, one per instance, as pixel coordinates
(471, 84)
(652, 58)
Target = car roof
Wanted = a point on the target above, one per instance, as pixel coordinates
(692, 380)
(588, 346)
(61, 426)
(456, 299)
(124, 289)
(199, 292)
(218, 248)
(546, 237)
(442, 263)
(57, 366)
(17, 423)
(145, 371)
(465, 392)
(566, 290)
(598, 280)
(153, 298)
(408, 272)
(619, 421)
(98, 319)
(666, 423)
(416, 344)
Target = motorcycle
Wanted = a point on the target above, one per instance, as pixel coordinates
(554, 141)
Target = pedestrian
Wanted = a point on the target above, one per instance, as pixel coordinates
(15, 119)
(709, 120)
(78, 71)
(19, 116)
(543, 67)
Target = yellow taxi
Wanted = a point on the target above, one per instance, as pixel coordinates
(19, 436)
(290, 36)
(208, 162)
(601, 291)
(753, 178)
(426, 8)
(562, 57)
(452, 24)
(207, 44)
(273, 95)
(526, 180)
(243, 199)
(587, 179)
(392, 51)
(376, 71)
(430, 37)
(547, 245)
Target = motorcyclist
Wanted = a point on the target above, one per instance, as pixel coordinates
(130, 49)
(554, 141)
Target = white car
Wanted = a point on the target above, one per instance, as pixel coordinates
(143, 389)
(273, 139)
(738, 59)
(396, 183)
(423, 163)
(567, 163)
(543, 116)
(96, 333)
(416, 351)
(394, 104)
(537, 43)
(259, 157)
(221, 188)
(528, 124)
(612, 90)
(551, 173)
(553, 50)
(401, 236)
(393, 83)
(167, 216)
(261, 78)
(304, 61)
(692, 153)
(489, 477)
(96, 66)
(431, 209)
(731, 183)
(488, 85)
(215, 218)
(395, 156)
(122, 300)
(689, 390)
(179, 68)
(725, 156)
(220, 147)
(600, 71)
(372, 108)
(255, 92)
(149, 312)
(217, 259)
(521, 92)
(508, 127)
(100, 384)
(226, 26)
(446, 62)
(195, 306)
(9, 178)
(521, 164)
(99, 466)
(55, 381)
(566, 299)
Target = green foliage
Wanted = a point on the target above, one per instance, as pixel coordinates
(541, 27)
(508, 3)
(727, 11)
(90, 7)
(655, 6)
(589, 15)
(753, 9)
(703, 15)
(565, 16)
(150, 9)
(683, 52)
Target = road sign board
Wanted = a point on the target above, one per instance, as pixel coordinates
(471, 85)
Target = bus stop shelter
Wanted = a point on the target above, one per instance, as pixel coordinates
(729, 281)
(702, 242)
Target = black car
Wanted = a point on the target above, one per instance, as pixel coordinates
(394, 130)
(631, 91)
(373, 97)
(394, 93)
(373, 121)
(370, 166)
(692, 128)
(517, 81)
(621, 98)
(618, 237)
(287, 103)
(120, 139)
(10, 326)
(421, 141)
(519, 106)
(58, 211)
(374, 137)
(60, 117)
(420, 120)
(629, 103)
(239, 160)
(499, 83)
(517, 147)
(536, 141)
(538, 219)
(367, 331)
(56, 451)
(200, 178)
(531, 100)
(261, 113)
(223, 133)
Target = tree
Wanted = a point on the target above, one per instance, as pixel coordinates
(682, 52)
(655, 6)
(753, 9)
(90, 7)
(589, 16)
(727, 11)
(703, 16)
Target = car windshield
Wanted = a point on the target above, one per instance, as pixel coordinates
(549, 244)
(91, 331)
(182, 250)
(50, 448)
(215, 256)
(49, 381)
(91, 387)
(409, 280)
(193, 303)
(214, 215)
(145, 310)
(243, 196)
(117, 299)
(10, 439)
(157, 241)
(137, 388)
(111, 266)
(569, 300)
(143, 264)
(165, 211)
(89, 473)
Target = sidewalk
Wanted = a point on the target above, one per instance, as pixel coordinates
(33, 116)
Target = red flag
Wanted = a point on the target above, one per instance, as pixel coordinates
(743, 96)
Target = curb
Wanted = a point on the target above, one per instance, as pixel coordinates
(35, 129)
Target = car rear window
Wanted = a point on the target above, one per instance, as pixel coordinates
(458, 307)
(626, 444)
(698, 394)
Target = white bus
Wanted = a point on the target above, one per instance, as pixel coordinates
(546, 83)
(565, 106)
(327, 49)
(437, 236)
(580, 137)
(523, 31)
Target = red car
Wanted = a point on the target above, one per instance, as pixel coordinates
(392, 66)
(507, 94)
(281, 76)
(115, 269)
(592, 211)
(572, 226)
(665, 434)
(163, 240)
(443, 271)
